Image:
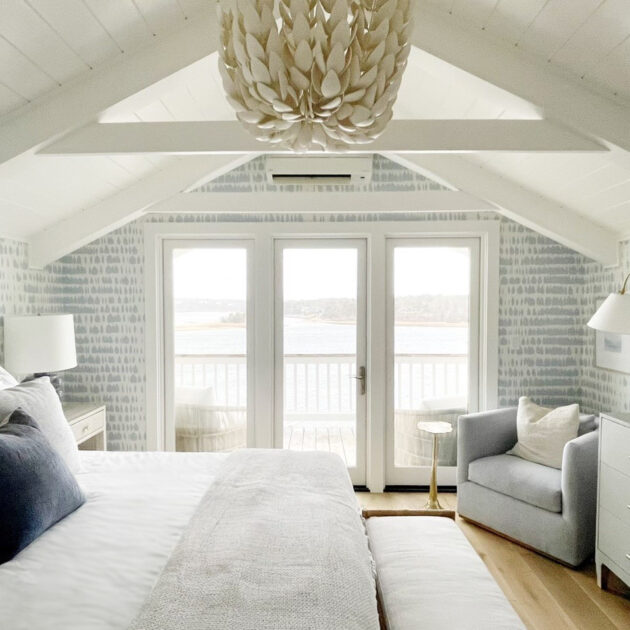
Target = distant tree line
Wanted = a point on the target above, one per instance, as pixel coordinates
(451, 309)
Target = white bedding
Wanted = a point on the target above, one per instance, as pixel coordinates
(137, 506)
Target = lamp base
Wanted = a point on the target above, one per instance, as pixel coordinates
(55, 381)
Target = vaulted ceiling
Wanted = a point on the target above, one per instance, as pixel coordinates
(523, 105)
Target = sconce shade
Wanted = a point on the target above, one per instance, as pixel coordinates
(613, 315)
(39, 343)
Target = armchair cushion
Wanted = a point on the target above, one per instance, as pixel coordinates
(521, 479)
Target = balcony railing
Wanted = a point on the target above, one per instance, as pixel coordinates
(320, 403)
(322, 385)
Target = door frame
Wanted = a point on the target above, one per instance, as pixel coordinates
(263, 233)
(357, 474)
(400, 476)
(216, 242)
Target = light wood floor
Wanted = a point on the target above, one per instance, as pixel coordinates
(547, 595)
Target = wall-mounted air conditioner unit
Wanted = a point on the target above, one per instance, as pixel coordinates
(312, 170)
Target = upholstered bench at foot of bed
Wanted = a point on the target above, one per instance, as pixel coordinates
(430, 577)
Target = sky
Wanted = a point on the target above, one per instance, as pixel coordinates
(313, 273)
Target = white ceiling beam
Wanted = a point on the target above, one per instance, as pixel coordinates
(401, 136)
(125, 206)
(321, 202)
(83, 100)
(560, 97)
(520, 204)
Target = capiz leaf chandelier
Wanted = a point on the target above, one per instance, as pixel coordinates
(313, 74)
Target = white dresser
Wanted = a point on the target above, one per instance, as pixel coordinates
(613, 499)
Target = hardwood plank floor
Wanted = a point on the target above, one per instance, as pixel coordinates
(547, 595)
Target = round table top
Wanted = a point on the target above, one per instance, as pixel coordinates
(435, 427)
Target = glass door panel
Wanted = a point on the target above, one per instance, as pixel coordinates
(321, 348)
(431, 318)
(207, 340)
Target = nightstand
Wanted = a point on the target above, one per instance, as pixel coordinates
(87, 421)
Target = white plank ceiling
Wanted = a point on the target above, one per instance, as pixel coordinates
(46, 45)
(589, 39)
(430, 89)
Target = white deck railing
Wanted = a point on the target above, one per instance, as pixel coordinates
(322, 385)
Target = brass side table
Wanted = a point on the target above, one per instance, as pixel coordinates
(436, 429)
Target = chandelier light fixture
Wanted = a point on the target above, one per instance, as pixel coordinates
(314, 74)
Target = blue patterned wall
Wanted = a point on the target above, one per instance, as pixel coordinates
(602, 390)
(25, 291)
(541, 334)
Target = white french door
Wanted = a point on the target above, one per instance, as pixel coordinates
(320, 348)
(336, 337)
(432, 351)
(208, 345)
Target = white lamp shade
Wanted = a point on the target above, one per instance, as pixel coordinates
(39, 343)
(613, 315)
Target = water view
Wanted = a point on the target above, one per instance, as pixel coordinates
(310, 337)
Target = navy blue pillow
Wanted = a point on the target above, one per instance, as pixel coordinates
(37, 488)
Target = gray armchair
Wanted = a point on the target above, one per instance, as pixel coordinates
(552, 511)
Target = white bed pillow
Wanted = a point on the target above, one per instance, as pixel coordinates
(543, 432)
(39, 400)
(6, 379)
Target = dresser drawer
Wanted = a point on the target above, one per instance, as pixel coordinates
(615, 446)
(614, 539)
(614, 493)
(86, 427)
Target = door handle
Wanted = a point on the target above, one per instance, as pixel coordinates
(361, 379)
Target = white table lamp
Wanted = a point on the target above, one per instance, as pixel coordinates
(614, 314)
(40, 345)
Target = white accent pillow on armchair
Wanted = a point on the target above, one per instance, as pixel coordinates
(543, 432)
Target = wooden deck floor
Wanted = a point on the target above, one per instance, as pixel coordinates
(331, 437)
(547, 595)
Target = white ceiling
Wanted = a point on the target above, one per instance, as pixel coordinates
(446, 92)
(45, 44)
(589, 39)
(48, 45)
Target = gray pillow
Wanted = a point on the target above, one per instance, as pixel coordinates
(37, 489)
(40, 401)
(588, 423)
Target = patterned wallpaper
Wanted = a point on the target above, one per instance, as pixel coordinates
(540, 330)
(602, 390)
(546, 292)
(25, 291)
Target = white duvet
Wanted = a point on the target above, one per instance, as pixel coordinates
(137, 506)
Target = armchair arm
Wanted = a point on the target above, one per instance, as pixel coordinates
(483, 434)
(579, 479)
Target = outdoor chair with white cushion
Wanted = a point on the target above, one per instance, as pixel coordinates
(415, 448)
(203, 426)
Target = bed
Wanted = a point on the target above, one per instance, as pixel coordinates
(100, 567)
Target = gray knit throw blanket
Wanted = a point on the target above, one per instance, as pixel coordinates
(277, 543)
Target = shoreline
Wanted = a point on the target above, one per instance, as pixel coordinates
(218, 325)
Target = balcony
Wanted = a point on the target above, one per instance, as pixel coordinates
(320, 402)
